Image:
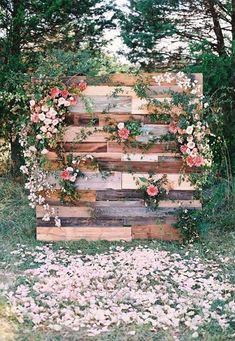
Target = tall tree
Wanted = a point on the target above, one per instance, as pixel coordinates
(162, 30)
(30, 26)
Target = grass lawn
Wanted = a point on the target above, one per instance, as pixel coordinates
(143, 290)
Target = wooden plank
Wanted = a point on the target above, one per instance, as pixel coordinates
(54, 197)
(166, 167)
(160, 231)
(117, 117)
(131, 211)
(66, 211)
(105, 104)
(156, 148)
(109, 91)
(95, 181)
(129, 194)
(88, 147)
(87, 222)
(129, 182)
(88, 233)
(141, 157)
(109, 221)
(83, 119)
(73, 134)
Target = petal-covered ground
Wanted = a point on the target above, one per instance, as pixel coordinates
(122, 287)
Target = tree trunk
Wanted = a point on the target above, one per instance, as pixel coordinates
(210, 6)
(16, 157)
(15, 31)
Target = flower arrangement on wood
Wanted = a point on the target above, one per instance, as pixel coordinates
(69, 175)
(153, 190)
(192, 135)
(124, 132)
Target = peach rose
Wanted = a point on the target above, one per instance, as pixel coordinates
(173, 127)
(152, 190)
(55, 92)
(123, 133)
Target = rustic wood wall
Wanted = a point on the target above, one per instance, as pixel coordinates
(112, 208)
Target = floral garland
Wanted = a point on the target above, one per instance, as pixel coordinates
(188, 128)
(40, 132)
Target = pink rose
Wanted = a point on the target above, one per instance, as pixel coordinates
(180, 131)
(173, 127)
(123, 133)
(55, 92)
(37, 109)
(65, 175)
(72, 101)
(82, 85)
(34, 118)
(152, 190)
(64, 93)
(190, 160)
(198, 161)
(184, 149)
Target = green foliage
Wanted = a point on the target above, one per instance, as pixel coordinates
(61, 63)
(217, 214)
(134, 127)
(33, 25)
(142, 28)
(218, 77)
(187, 223)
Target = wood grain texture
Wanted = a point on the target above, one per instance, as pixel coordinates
(161, 232)
(73, 134)
(113, 147)
(132, 194)
(129, 181)
(165, 167)
(101, 104)
(88, 233)
(109, 221)
(67, 211)
(86, 147)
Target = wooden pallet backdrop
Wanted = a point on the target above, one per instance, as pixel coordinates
(112, 208)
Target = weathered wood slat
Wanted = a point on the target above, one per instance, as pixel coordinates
(109, 221)
(67, 211)
(105, 104)
(170, 167)
(129, 194)
(161, 232)
(88, 233)
(84, 196)
(73, 134)
(113, 147)
(129, 182)
(86, 147)
(95, 181)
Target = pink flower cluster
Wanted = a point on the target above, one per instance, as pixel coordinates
(49, 111)
(68, 174)
(191, 140)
